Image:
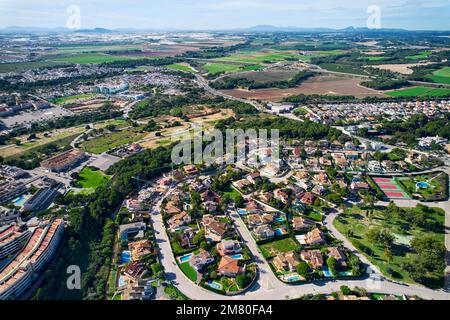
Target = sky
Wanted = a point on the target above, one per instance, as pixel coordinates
(224, 14)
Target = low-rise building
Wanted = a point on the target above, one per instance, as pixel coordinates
(64, 161)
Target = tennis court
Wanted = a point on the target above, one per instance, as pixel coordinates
(391, 188)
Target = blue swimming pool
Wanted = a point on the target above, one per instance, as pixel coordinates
(422, 185)
(242, 212)
(293, 279)
(237, 257)
(185, 258)
(279, 232)
(326, 272)
(125, 256)
(214, 285)
(20, 201)
(280, 219)
(121, 281)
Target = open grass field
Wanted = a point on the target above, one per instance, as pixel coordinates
(326, 85)
(55, 136)
(23, 66)
(266, 56)
(344, 68)
(70, 99)
(112, 140)
(180, 67)
(441, 76)
(355, 224)
(89, 58)
(317, 54)
(217, 68)
(420, 92)
(91, 179)
(267, 76)
(273, 248)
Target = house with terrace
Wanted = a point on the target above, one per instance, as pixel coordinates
(300, 224)
(287, 261)
(313, 257)
(201, 260)
(264, 232)
(337, 254)
(215, 230)
(229, 267)
(229, 247)
(179, 220)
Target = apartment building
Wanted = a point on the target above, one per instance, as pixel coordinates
(64, 161)
(12, 239)
(21, 272)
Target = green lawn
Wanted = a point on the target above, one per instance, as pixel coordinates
(190, 272)
(90, 58)
(355, 224)
(271, 249)
(23, 66)
(91, 179)
(420, 92)
(112, 140)
(436, 191)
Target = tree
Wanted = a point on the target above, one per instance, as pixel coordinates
(243, 281)
(156, 268)
(198, 238)
(239, 201)
(303, 269)
(346, 290)
(331, 263)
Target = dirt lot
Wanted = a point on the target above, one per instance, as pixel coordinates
(327, 85)
(266, 76)
(400, 68)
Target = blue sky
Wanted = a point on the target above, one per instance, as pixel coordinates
(224, 14)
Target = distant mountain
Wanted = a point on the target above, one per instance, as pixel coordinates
(96, 30)
(270, 28)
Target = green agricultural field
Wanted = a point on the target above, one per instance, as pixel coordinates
(112, 140)
(216, 68)
(441, 76)
(318, 54)
(420, 92)
(68, 99)
(257, 57)
(90, 180)
(278, 246)
(90, 58)
(355, 223)
(376, 58)
(344, 68)
(24, 66)
(180, 67)
(420, 56)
